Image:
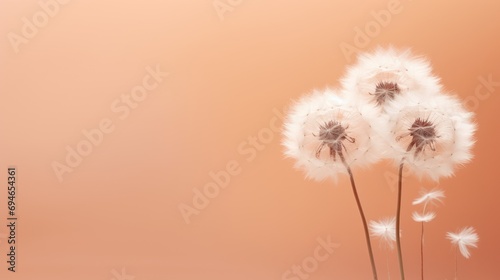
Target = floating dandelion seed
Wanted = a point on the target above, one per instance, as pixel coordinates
(391, 105)
(385, 230)
(427, 197)
(463, 239)
(423, 217)
(429, 135)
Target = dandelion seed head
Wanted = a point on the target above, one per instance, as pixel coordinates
(322, 128)
(385, 91)
(387, 74)
(433, 136)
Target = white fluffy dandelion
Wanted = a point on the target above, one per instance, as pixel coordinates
(327, 136)
(385, 230)
(426, 197)
(387, 74)
(423, 217)
(463, 239)
(432, 196)
(322, 130)
(392, 106)
(432, 136)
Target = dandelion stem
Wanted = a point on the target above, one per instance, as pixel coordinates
(360, 209)
(456, 263)
(398, 216)
(387, 262)
(422, 252)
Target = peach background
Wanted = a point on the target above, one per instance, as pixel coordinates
(119, 208)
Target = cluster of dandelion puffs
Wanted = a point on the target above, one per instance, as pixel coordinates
(389, 106)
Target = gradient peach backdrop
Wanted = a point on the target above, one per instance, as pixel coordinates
(119, 207)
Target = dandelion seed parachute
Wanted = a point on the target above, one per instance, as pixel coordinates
(464, 238)
(385, 230)
(423, 217)
(427, 197)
